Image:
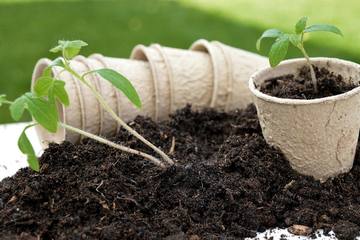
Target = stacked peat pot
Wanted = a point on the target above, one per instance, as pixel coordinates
(210, 74)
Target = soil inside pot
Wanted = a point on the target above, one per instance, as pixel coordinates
(228, 184)
(301, 86)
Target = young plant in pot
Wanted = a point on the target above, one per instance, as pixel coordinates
(309, 108)
(49, 92)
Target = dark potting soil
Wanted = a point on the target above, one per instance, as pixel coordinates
(301, 86)
(227, 184)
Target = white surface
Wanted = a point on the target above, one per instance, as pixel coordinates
(278, 233)
(12, 160)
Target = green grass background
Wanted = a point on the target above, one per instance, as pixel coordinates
(28, 28)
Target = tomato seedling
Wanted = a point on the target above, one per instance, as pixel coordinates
(49, 91)
(280, 47)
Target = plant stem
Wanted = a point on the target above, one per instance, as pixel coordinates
(114, 145)
(312, 71)
(116, 117)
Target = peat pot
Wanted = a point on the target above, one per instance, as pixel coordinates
(317, 136)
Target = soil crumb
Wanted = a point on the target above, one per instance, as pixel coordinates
(227, 184)
(301, 86)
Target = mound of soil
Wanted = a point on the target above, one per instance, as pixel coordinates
(301, 86)
(227, 184)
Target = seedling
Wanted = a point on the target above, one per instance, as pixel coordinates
(49, 91)
(280, 47)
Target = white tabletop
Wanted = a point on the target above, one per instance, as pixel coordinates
(12, 160)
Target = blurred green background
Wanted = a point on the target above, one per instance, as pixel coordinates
(28, 28)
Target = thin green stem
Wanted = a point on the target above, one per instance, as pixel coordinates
(114, 145)
(88, 73)
(31, 125)
(302, 38)
(312, 71)
(116, 117)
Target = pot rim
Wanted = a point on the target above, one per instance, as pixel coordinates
(289, 101)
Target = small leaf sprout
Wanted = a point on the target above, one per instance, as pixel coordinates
(279, 48)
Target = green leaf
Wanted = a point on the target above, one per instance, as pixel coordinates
(295, 39)
(121, 83)
(56, 49)
(24, 143)
(60, 47)
(69, 52)
(72, 48)
(278, 50)
(59, 91)
(2, 99)
(26, 147)
(33, 163)
(17, 108)
(300, 25)
(76, 44)
(323, 28)
(46, 72)
(69, 48)
(42, 85)
(270, 33)
(58, 62)
(44, 112)
(47, 86)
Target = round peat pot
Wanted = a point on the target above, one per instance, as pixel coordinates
(317, 136)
